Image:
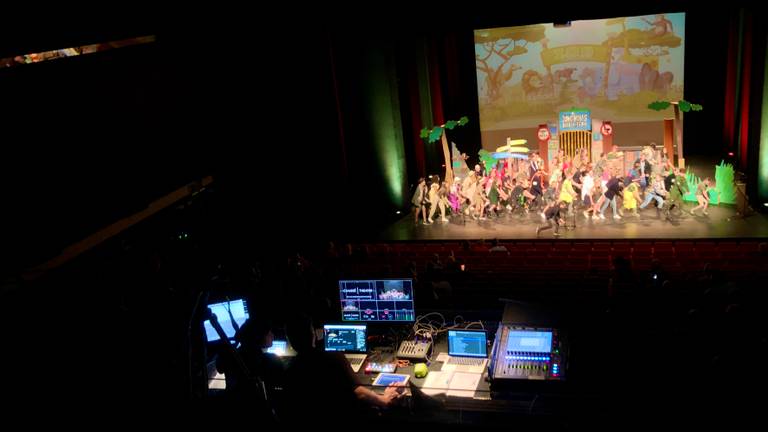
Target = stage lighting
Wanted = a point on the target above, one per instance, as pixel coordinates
(397, 212)
(765, 204)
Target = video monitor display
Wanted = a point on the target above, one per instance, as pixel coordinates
(377, 300)
(345, 337)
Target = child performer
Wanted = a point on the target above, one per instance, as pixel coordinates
(631, 197)
(678, 187)
(419, 201)
(587, 189)
(454, 196)
(437, 199)
(554, 218)
(702, 196)
(567, 194)
(658, 193)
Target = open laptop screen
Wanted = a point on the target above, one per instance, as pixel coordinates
(278, 348)
(345, 338)
(467, 343)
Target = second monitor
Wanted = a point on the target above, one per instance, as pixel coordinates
(377, 300)
(230, 314)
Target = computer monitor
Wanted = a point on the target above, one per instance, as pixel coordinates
(529, 341)
(377, 300)
(467, 343)
(226, 312)
(349, 338)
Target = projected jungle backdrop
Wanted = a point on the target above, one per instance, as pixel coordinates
(613, 67)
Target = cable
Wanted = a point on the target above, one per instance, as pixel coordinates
(533, 402)
(228, 306)
(480, 323)
(430, 329)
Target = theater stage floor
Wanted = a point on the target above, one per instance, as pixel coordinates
(722, 222)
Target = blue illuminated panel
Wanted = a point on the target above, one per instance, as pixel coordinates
(529, 341)
(226, 312)
(345, 338)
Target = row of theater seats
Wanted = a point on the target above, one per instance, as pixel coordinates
(678, 256)
(558, 269)
(560, 246)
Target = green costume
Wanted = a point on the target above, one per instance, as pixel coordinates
(493, 194)
(679, 189)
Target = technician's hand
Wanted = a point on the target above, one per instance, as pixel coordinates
(393, 392)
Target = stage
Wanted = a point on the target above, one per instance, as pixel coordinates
(722, 222)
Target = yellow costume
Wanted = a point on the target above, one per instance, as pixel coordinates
(629, 197)
(566, 191)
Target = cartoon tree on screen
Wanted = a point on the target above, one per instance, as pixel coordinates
(504, 43)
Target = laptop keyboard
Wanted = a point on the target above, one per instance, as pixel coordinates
(466, 361)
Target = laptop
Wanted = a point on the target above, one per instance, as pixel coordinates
(281, 348)
(349, 339)
(467, 351)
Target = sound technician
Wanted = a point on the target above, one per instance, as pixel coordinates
(321, 386)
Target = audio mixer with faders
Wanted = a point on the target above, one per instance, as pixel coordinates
(526, 353)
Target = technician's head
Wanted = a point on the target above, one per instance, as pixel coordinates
(301, 333)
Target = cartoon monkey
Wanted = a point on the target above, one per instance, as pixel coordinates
(564, 74)
(661, 26)
(651, 79)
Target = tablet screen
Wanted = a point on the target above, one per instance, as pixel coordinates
(385, 379)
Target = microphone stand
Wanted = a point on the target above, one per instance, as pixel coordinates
(253, 380)
(194, 318)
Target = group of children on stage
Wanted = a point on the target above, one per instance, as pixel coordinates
(525, 186)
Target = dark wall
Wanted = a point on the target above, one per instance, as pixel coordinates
(89, 140)
(92, 139)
